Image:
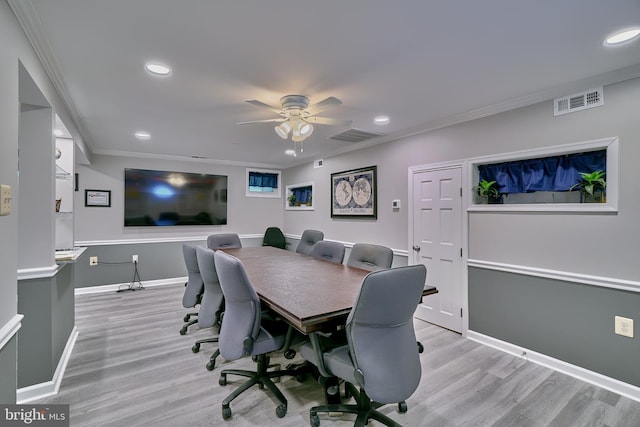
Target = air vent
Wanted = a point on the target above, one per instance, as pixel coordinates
(579, 101)
(355, 135)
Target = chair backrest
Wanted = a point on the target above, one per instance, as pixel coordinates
(381, 336)
(195, 284)
(307, 240)
(273, 236)
(370, 257)
(241, 324)
(212, 299)
(224, 241)
(328, 251)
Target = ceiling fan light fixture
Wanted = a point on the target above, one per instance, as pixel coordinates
(283, 130)
(305, 129)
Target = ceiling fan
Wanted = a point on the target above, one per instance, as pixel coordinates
(298, 117)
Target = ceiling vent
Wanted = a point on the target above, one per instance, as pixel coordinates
(355, 135)
(579, 101)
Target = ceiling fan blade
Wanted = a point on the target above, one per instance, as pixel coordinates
(323, 105)
(263, 121)
(327, 121)
(263, 105)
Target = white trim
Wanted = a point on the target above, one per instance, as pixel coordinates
(10, 329)
(38, 272)
(566, 276)
(611, 384)
(611, 205)
(113, 288)
(49, 388)
(156, 240)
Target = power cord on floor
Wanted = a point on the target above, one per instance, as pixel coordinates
(136, 278)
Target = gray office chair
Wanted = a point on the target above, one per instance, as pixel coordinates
(370, 257)
(328, 251)
(381, 356)
(307, 240)
(212, 304)
(245, 332)
(193, 288)
(224, 241)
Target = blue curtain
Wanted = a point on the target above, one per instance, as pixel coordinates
(558, 173)
(263, 180)
(302, 194)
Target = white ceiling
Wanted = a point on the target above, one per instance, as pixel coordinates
(423, 63)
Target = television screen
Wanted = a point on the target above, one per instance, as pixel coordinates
(159, 198)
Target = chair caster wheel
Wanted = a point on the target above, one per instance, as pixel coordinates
(281, 411)
(186, 318)
(183, 331)
(222, 381)
(195, 348)
(211, 365)
(226, 412)
(420, 347)
(402, 407)
(301, 378)
(314, 420)
(289, 354)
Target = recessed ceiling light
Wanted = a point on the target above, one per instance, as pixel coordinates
(157, 69)
(381, 120)
(143, 135)
(290, 152)
(622, 36)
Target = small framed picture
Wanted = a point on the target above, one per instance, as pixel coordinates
(353, 193)
(97, 198)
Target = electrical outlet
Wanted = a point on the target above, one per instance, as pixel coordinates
(624, 326)
(134, 258)
(93, 260)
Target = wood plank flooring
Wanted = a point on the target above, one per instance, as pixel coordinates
(131, 367)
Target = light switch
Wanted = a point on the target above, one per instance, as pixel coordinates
(5, 199)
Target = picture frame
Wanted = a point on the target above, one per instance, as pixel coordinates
(97, 198)
(354, 193)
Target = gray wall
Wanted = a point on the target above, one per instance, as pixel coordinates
(23, 81)
(567, 321)
(602, 245)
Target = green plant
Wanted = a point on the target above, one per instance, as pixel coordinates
(487, 188)
(292, 199)
(590, 182)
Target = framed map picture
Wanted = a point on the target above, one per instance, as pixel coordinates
(353, 193)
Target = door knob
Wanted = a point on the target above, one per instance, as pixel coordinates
(416, 248)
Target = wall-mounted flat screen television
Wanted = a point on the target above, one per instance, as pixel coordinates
(161, 198)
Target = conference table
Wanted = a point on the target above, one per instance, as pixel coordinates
(310, 294)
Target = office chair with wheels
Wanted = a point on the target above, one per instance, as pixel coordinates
(245, 332)
(328, 251)
(380, 357)
(212, 304)
(307, 240)
(193, 288)
(273, 236)
(224, 241)
(370, 257)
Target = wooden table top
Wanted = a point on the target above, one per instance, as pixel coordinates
(309, 293)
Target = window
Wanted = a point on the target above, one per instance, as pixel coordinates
(545, 179)
(299, 197)
(263, 183)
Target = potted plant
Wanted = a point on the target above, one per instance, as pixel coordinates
(592, 187)
(488, 192)
(292, 199)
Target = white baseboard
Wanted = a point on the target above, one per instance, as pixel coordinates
(113, 288)
(49, 388)
(611, 384)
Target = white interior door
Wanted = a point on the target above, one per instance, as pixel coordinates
(437, 243)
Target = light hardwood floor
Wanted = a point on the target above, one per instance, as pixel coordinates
(130, 367)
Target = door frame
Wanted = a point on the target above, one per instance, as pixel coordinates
(465, 200)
